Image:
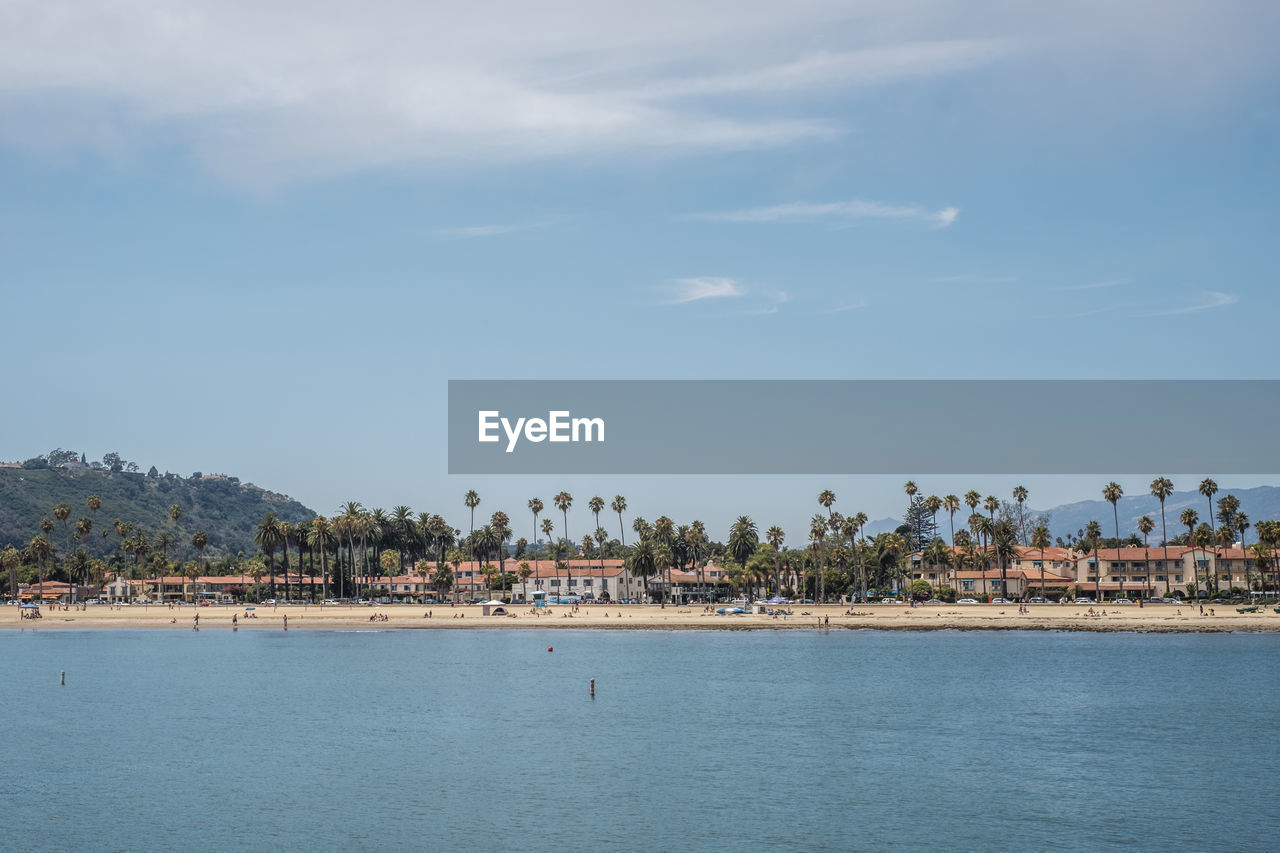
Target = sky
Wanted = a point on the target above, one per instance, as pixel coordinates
(261, 240)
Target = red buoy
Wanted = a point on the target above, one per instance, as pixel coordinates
(548, 648)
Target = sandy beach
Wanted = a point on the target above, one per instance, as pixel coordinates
(1051, 617)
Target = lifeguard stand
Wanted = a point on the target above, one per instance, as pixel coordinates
(540, 598)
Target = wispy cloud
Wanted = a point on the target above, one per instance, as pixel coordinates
(1096, 285)
(771, 304)
(974, 279)
(469, 232)
(846, 211)
(704, 287)
(1209, 299)
(851, 306)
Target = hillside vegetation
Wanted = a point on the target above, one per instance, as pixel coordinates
(224, 508)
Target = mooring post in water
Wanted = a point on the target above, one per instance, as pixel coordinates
(64, 678)
(593, 688)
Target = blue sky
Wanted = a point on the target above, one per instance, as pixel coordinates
(262, 241)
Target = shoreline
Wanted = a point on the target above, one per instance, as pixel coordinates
(1153, 619)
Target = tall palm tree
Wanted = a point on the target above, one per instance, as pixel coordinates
(320, 537)
(991, 503)
(1093, 536)
(1004, 547)
(1020, 497)
(775, 537)
(1112, 493)
(664, 535)
(951, 504)
(619, 505)
(40, 548)
(826, 498)
(696, 539)
(971, 500)
(286, 537)
(1242, 526)
(471, 500)
(1161, 488)
(1189, 517)
(501, 525)
(596, 504)
(932, 504)
(817, 535)
(267, 537)
(1209, 488)
(642, 563)
(547, 527)
(1145, 526)
(563, 501)
(62, 512)
(743, 539)
(1040, 539)
(94, 503)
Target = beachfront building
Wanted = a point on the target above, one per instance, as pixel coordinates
(585, 578)
(1054, 569)
(1134, 572)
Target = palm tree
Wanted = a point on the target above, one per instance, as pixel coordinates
(471, 500)
(972, 499)
(1209, 488)
(664, 534)
(1040, 539)
(286, 536)
(817, 534)
(547, 527)
(1189, 517)
(1145, 526)
(501, 525)
(938, 555)
(1004, 546)
(320, 537)
(524, 574)
(535, 507)
(775, 537)
(619, 505)
(743, 539)
(1242, 526)
(10, 559)
(94, 503)
(826, 498)
(601, 537)
(951, 504)
(642, 563)
(991, 503)
(267, 537)
(1093, 535)
(62, 512)
(1161, 488)
(40, 548)
(596, 504)
(1020, 496)
(563, 501)
(1112, 493)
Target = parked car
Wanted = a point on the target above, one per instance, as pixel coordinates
(1123, 601)
(890, 601)
(967, 601)
(1083, 600)
(1001, 601)
(1037, 600)
(934, 601)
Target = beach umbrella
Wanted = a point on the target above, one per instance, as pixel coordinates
(29, 606)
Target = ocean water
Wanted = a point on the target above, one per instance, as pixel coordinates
(789, 740)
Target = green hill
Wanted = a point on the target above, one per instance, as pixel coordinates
(224, 508)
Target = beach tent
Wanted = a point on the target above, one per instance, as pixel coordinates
(493, 607)
(29, 611)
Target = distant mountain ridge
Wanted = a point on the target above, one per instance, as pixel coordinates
(226, 509)
(1258, 503)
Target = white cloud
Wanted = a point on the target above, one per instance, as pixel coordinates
(1209, 299)
(801, 211)
(974, 279)
(468, 232)
(269, 92)
(1097, 285)
(704, 287)
(851, 306)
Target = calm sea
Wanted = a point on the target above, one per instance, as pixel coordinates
(473, 739)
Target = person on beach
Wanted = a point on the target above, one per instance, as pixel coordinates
(233, 619)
